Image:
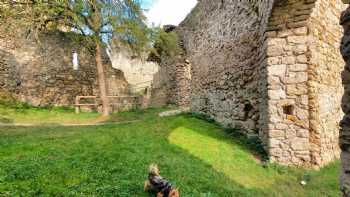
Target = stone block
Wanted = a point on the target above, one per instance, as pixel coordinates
(295, 78)
(300, 49)
(302, 59)
(275, 50)
(275, 152)
(276, 133)
(281, 126)
(274, 143)
(277, 94)
(303, 133)
(300, 144)
(277, 70)
(284, 33)
(297, 39)
(297, 67)
(301, 31)
(276, 41)
(290, 60)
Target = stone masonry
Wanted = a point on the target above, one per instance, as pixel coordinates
(42, 74)
(304, 66)
(345, 123)
(224, 43)
(172, 83)
(139, 73)
(271, 68)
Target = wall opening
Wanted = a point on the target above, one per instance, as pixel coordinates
(247, 109)
(288, 110)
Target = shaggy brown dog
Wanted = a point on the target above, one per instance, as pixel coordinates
(161, 186)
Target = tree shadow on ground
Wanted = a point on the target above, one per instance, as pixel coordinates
(113, 160)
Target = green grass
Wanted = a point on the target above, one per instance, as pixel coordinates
(32, 115)
(198, 157)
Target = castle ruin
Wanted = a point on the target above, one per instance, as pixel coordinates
(271, 68)
(40, 72)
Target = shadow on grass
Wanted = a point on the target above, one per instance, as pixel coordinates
(105, 163)
(113, 160)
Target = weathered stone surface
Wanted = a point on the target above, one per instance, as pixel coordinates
(312, 74)
(138, 73)
(345, 123)
(42, 74)
(274, 63)
(324, 86)
(224, 41)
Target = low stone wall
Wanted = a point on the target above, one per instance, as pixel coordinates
(42, 73)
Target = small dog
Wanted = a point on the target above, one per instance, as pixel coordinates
(158, 184)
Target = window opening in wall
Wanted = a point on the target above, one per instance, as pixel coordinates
(18, 83)
(288, 110)
(75, 60)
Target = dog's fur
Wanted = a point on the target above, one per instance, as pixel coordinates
(161, 186)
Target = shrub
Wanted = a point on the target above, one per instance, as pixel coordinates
(165, 45)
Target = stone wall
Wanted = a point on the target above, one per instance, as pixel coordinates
(304, 68)
(270, 67)
(288, 107)
(345, 123)
(299, 80)
(42, 74)
(325, 85)
(137, 72)
(172, 83)
(224, 43)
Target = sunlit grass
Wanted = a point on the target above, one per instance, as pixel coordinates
(224, 156)
(45, 116)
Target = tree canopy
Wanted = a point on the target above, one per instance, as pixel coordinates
(100, 20)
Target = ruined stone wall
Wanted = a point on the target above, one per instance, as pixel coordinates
(172, 83)
(163, 84)
(43, 74)
(288, 104)
(269, 67)
(303, 71)
(325, 86)
(138, 73)
(345, 123)
(183, 88)
(224, 44)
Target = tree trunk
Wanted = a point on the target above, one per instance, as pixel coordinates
(101, 75)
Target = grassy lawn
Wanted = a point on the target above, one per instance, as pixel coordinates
(112, 160)
(30, 115)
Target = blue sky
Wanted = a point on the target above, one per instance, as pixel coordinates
(147, 3)
(163, 12)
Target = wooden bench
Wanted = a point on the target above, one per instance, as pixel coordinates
(78, 105)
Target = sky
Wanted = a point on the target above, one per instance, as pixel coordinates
(164, 12)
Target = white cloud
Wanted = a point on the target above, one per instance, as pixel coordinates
(165, 12)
